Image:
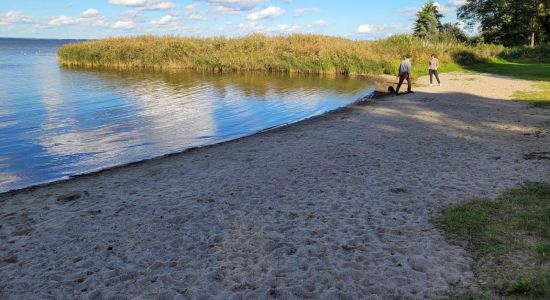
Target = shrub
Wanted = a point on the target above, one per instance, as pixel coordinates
(538, 53)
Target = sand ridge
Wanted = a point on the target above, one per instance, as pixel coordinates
(336, 207)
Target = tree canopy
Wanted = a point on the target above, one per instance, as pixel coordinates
(428, 22)
(509, 22)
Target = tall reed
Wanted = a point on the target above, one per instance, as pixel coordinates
(303, 53)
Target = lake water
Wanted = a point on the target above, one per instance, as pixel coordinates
(57, 122)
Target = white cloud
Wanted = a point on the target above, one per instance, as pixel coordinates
(366, 28)
(14, 17)
(444, 9)
(163, 21)
(457, 3)
(196, 17)
(99, 21)
(460, 25)
(251, 26)
(270, 12)
(124, 24)
(448, 8)
(378, 29)
(255, 27)
(90, 17)
(159, 6)
(191, 14)
(223, 10)
(282, 28)
(317, 24)
(301, 11)
(191, 7)
(128, 2)
(145, 4)
(234, 6)
(90, 13)
(62, 20)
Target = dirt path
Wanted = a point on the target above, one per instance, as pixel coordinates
(339, 206)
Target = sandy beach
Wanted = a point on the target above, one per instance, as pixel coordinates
(337, 207)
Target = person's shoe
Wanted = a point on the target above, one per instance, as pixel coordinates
(410, 92)
(431, 84)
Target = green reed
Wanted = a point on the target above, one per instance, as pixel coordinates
(297, 53)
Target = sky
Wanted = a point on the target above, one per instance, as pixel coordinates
(90, 19)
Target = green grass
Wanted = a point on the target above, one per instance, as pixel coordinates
(539, 97)
(509, 237)
(298, 53)
(449, 66)
(524, 69)
(464, 296)
(530, 70)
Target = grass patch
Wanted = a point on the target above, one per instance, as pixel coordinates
(446, 66)
(530, 70)
(465, 296)
(524, 69)
(539, 97)
(509, 237)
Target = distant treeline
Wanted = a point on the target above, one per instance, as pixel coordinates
(302, 53)
(509, 22)
(503, 22)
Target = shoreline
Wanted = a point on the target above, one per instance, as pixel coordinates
(374, 95)
(340, 205)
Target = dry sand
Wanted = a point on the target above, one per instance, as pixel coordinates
(336, 207)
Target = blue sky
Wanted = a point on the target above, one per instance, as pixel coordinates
(367, 19)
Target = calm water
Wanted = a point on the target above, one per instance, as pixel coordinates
(57, 122)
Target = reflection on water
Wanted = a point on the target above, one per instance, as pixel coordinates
(57, 122)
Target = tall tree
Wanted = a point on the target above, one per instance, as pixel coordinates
(542, 22)
(453, 31)
(508, 22)
(428, 22)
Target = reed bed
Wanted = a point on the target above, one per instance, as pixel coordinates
(297, 53)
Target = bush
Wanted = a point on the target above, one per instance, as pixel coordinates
(538, 53)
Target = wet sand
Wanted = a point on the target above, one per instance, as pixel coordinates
(340, 206)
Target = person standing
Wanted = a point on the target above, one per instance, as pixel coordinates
(433, 65)
(405, 69)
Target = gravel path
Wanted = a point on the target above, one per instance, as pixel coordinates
(335, 207)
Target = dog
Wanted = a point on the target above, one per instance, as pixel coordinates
(391, 91)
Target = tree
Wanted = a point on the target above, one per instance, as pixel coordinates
(509, 22)
(428, 22)
(542, 22)
(450, 30)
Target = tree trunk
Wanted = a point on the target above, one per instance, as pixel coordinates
(532, 39)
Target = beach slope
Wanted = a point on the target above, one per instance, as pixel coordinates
(335, 207)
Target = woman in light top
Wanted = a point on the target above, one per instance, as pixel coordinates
(433, 65)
